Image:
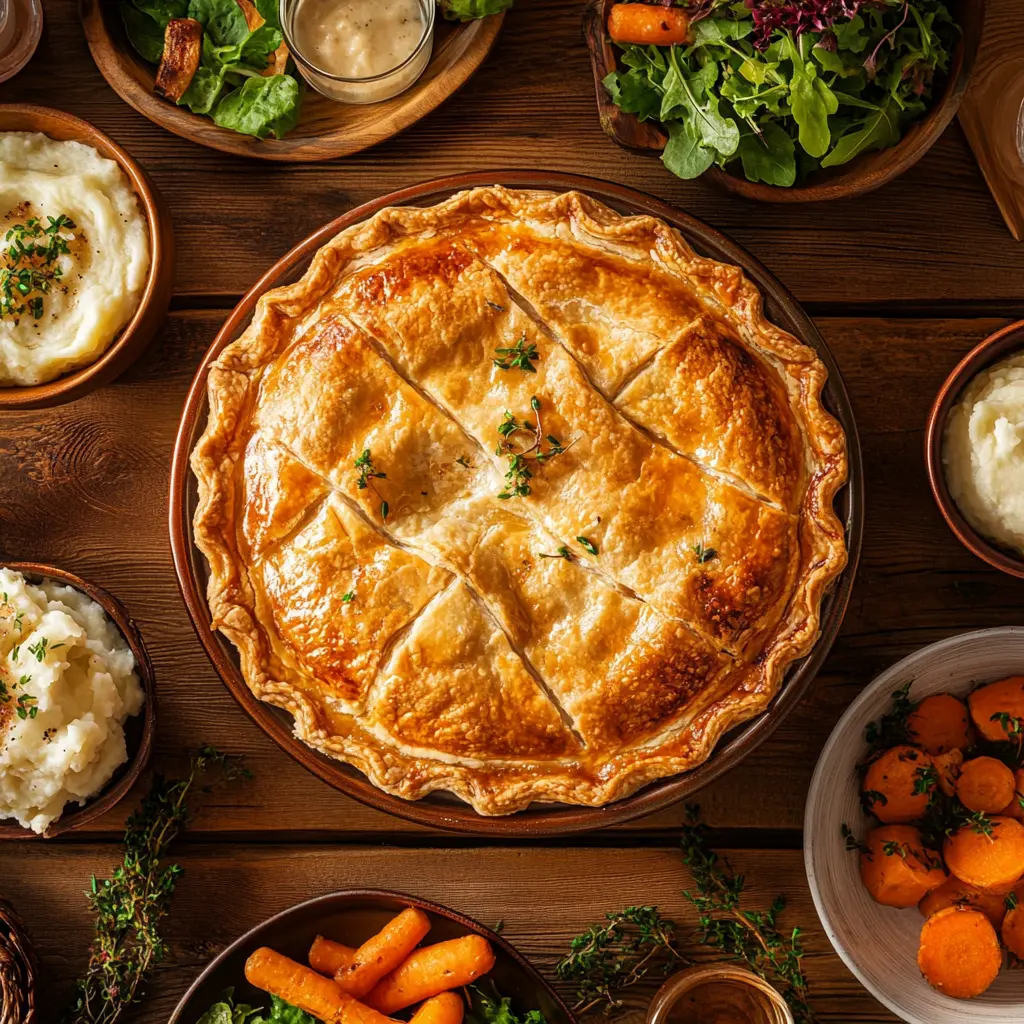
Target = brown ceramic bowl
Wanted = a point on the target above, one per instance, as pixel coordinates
(351, 916)
(139, 731)
(994, 348)
(139, 331)
(861, 175)
(441, 810)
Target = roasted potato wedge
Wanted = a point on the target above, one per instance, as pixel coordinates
(183, 48)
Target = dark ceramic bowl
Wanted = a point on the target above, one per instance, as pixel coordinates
(442, 810)
(994, 348)
(139, 731)
(352, 916)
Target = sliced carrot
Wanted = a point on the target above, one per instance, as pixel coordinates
(383, 952)
(646, 25)
(327, 957)
(998, 709)
(1013, 931)
(446, 1008)
(989, 854)
(897, 869)
(948, 768)
(1015, 808)
(939, 724)
(956, 893)
(959, 953)
(898, 785)
(985, 785)
(432, 970)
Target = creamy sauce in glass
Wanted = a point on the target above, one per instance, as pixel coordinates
(357, 38)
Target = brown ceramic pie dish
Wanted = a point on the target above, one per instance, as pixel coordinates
(156, 296)
(994, 348)
(139, 730)
(350, 916)
(440, 810)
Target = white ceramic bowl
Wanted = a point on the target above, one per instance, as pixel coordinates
(879, 944)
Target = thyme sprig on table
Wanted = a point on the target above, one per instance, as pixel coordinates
(519, 474)
(130, 905)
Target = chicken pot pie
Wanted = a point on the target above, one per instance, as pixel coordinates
(519, 498)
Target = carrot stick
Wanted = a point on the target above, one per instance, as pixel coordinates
(990, 861)
(327, 957)
(446, 1008)
(998, 709)
(382, 953)
(985, 785)
(303, 987)
(939, 724)
(959, 953)
(897, 786)
(644, 25)
(432, 970)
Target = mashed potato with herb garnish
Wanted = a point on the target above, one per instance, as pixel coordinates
(85, 276)
(983, 453)
(67, 685)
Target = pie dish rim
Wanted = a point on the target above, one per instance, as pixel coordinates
(444, 811)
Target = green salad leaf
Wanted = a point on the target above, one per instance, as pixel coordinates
(468, 10)
(227, 1011)
(261, 107)
(144, 32)
(756, 85)
(488, 1006)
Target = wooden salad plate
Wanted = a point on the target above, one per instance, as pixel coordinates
(351, 916)
(442, 810)
(326, 129)
(139, 731)
(863, 174)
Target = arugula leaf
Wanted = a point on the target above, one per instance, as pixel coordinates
(488, 1006)
(143, 33)
(684, 154)
(769, 157)
(284, 1013)
(632, 92)
(717, 30)
(812, 101)
(468, 10)
(261, 107)
(877, 131)
(850, 35)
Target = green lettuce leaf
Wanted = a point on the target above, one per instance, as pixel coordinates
(261, 107)
(770, 157)
(143, 32)
(469, 10)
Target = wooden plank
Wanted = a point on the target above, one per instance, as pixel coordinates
(85, 487)
(544, 896)
(990, 110)
(935, 234)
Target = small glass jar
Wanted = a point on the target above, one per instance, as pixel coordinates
(21, 24)
(716, 994)
(374, 88)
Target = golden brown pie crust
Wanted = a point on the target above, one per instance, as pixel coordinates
(442, 646)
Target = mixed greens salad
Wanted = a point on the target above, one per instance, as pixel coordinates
(786, 86)
(231, 84)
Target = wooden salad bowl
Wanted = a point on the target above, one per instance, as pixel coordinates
(156, 296)
(139, 731)
(326, 129)
(351, 916)
(442, 810)
(862, 174)
(993, 349)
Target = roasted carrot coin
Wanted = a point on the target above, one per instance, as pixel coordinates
(985, 785)
(940, 724)
(998, 709)
(327, 957)
(383, 952)
(956, 893)
(948, 767)
(896, 868)
(1013, 931)
(988, 853)
(898, 785)
(1015, 808)
(648, 25)
(959, 953)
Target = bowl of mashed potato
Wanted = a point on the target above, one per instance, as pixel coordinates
(86, 256)
(975, 450)
(76, 701)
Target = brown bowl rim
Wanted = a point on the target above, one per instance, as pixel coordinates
(156, 296)
(534, 821)
(995, 347)
(854, 179)
(127, 775)
(391, 896)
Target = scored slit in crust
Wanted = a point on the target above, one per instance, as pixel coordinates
(445, 642)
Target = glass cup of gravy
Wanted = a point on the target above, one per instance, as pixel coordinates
(359, 51)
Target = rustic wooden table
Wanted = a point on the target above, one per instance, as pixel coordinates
(902, 283)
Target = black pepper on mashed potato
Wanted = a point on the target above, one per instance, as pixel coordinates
(67, 686)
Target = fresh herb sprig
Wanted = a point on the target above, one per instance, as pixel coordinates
(30, 265)
(611, 957)
(131, 904)
(521, 356)
(367, 474)
(893, 728)
(519, 474)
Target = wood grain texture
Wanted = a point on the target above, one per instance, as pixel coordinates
(990, 110)
(85, 487)
(935, 235)
(544, 897)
